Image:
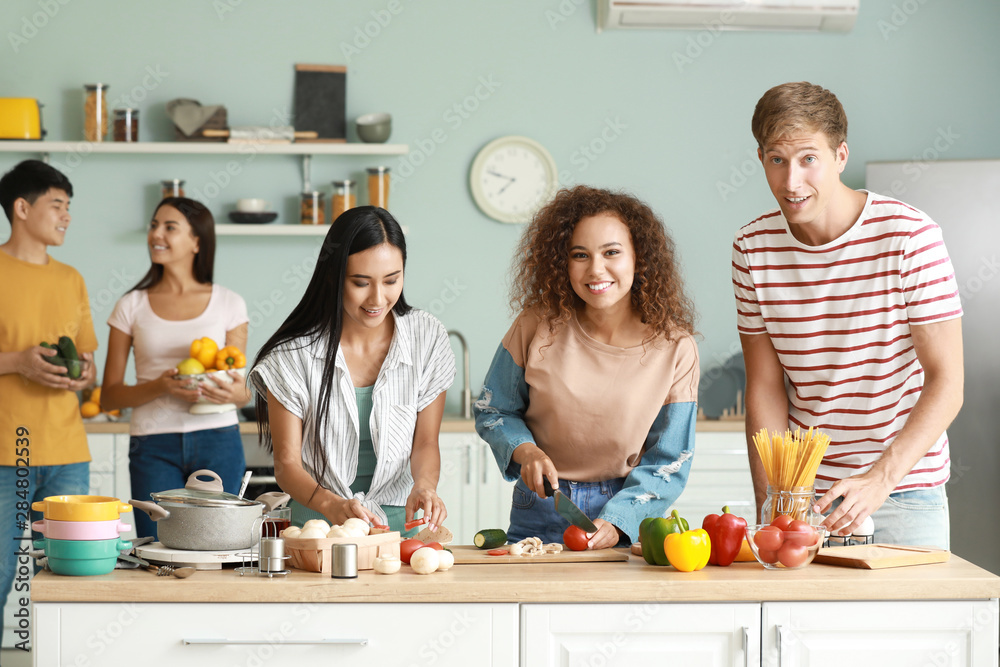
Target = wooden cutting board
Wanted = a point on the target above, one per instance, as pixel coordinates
(470, 555)
(878, 556)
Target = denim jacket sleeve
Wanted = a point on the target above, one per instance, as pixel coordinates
(500, 411)
(656, 483)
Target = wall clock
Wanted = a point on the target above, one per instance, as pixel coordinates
(512, 177)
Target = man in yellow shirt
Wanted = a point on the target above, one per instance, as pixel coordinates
(43, 445)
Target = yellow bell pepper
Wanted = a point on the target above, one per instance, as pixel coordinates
(204, 350)
(688, 551)
(230, 357)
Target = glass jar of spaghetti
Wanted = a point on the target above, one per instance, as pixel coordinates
(173, 187)
(378, 186)
(343, 198)
(313, 208)
(796, 502)
(95, 111)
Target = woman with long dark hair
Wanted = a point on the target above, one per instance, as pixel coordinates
(594, 387)
(174, 303)
(351, 388)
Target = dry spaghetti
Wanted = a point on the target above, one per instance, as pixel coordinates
(791, 460)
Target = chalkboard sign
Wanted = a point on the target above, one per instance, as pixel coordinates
(321, 102)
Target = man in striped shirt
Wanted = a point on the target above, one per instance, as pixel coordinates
(850, 320)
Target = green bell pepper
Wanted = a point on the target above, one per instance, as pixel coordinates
(653, 532)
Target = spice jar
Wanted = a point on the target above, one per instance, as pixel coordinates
(313, 208)
(343, 198)
(173, 187)
(125, 126)
(378, 186)
(95, 111)
(796, 502)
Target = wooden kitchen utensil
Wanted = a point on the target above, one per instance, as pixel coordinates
(466, 554)
(879, 556)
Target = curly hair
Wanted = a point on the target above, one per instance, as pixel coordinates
(540, 268)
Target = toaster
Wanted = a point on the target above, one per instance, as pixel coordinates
(20, 118)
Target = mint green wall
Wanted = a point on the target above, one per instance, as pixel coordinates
(668, 113)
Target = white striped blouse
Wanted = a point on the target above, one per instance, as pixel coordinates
(419, 366)
(839, 318)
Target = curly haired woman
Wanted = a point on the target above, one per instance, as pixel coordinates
(594, 387)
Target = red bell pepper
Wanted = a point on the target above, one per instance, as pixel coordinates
(726, 531)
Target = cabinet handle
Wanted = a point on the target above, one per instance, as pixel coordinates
(252, 642)
(483, 461)
(779, 632)
(746, 646)
(468, 463)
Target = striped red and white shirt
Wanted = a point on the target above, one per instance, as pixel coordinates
(839, 318)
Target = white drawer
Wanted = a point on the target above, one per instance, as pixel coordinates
(277, 634)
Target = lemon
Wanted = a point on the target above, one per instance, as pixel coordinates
(190, 367)
(95, 395)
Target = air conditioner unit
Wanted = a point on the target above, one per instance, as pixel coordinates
(804, 15)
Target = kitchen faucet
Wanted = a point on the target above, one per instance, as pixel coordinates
(466, 389)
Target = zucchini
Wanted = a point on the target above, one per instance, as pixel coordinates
(67, 349)
(491, 538)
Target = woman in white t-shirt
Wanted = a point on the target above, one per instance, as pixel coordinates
(350, 389)
(174, 304)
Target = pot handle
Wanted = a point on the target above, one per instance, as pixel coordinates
(154, 511)
(40, 527)
(272, 500)
(195, 484)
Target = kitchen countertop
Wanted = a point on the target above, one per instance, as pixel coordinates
(631, 581)
(448, 425)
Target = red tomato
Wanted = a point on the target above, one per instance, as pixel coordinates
(498, 552)
(800, 532)
(575, 538)
(435, 545)
(781, 521)
(792, 555)
(768, 556)
(768, 538)
(407, 547)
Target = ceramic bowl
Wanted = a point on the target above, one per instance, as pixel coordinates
(81, 508)
(374, 128)
(80, 530)
(204, 406)
(794, 549)
(82, 557)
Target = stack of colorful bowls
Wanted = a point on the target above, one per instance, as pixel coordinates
(82, 533)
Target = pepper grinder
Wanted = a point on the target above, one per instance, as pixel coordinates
(272, 556)
(345, 561)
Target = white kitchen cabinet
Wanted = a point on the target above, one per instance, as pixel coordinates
(880, 634)
(210, 635)
(720, 475)
(471, 486)
(723, 634)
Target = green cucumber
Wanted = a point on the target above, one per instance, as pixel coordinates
(491, 538)
(56, 360)
(67, 348)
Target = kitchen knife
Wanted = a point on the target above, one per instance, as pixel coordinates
(568, 510)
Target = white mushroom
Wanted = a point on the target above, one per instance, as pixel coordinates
(386, 564)
(516, 549)
(354, 523)
(337, 531)
(425, 560)
(445, 560)
(291, 532)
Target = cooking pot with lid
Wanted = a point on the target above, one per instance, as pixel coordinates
(20, 118)
(203, 517)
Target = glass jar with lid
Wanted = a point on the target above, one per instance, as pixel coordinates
(313, 208)
(95, 111)
(125, 126)
(173, 187)
(378, 186)
(343, 198)
(796, 502)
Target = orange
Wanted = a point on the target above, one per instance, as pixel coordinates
(95, 395)
(89, 409)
